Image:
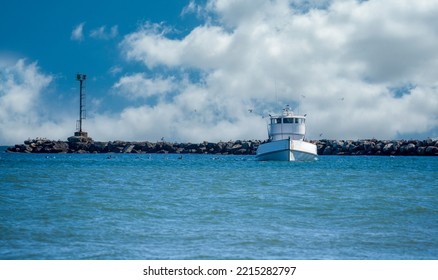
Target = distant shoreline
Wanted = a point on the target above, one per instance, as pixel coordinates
(376, 147)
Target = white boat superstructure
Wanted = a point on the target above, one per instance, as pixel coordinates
(286, 139)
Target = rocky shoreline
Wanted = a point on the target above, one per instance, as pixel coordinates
(426, 147)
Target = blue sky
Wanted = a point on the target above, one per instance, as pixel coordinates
(210, 70)
(41, 31)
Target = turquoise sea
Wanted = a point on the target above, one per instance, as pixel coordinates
(90, 206)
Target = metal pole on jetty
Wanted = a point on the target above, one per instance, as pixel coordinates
(80, 135)
(81, 78)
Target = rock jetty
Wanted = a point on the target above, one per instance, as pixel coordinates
(426, 147)
(49, 146)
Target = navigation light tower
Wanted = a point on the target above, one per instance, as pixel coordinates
(82, 113)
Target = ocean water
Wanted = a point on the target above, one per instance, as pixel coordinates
(71, 206)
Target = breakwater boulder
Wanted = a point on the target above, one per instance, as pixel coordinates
(239, 147)
(426, 147)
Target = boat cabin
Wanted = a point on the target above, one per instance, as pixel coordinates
(287, 126)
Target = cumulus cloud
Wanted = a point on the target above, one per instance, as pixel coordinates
(358, 69)
(138, 85)
(21, 110)
(338, 61)
(78, 32)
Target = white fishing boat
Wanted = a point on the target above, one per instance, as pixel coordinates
(286, 139)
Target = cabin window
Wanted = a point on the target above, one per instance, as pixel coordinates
(288, 120)
(278, 120)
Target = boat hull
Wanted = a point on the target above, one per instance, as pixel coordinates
(287, 150)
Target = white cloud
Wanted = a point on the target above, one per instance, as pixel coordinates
(78, 32)
(114, 70)
(138, 85)
(104, 34)
(192, 7)
(101, 33)
(203, 48)
(21, 110)
(358, 69)
(337, 60)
